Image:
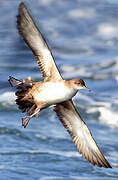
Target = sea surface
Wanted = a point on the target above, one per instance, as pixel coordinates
(83, 36)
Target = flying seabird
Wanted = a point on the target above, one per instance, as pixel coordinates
(32, 96)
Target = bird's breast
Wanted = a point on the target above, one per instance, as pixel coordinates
(54, 93)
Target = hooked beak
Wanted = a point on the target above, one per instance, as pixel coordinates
(86, 88)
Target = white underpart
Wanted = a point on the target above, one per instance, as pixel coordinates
(54, 93)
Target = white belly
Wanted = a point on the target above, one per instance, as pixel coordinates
(54, 93)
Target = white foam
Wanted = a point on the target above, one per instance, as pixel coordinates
(68, 68)
(2, 167)
(54, 152)
(107, 30)
(7, 98)
(108, 116)
(75, 71)
(50, 177)
(46, 2)
(82, 13)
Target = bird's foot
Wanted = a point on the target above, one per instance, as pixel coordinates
(25, 121)
(13, 81)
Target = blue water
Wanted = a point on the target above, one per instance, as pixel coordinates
(83, 36)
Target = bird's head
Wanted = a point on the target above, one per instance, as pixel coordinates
(79, 84)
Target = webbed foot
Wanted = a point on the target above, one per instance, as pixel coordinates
(25, 121)
(13, 81)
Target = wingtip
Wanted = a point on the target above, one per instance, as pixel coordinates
(105, 162)
(22, 7)
(22, 4)
(108, 165)
(101, 163)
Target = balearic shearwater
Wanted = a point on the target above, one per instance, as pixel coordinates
(32, 96)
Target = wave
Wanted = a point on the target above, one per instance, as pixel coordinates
(96, 71)
(44, 151)
(7, 99)
(108, 116)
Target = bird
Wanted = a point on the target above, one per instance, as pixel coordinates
(32, 97)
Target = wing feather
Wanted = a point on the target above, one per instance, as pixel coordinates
(80, 134)
(36, 42)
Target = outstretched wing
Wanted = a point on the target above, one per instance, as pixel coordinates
(80, 134)
(36, 42)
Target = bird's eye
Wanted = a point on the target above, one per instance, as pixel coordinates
(78, 83)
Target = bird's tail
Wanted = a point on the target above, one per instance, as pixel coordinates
(24, 96)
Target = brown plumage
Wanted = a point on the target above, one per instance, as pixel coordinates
(80, 134)
(35, 96)
(24, 99)
(36, 42)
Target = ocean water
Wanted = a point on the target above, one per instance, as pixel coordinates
(83, 36)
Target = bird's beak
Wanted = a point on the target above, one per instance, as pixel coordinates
(86, 88)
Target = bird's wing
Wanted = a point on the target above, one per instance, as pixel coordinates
(80, 133)
(36, 42)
